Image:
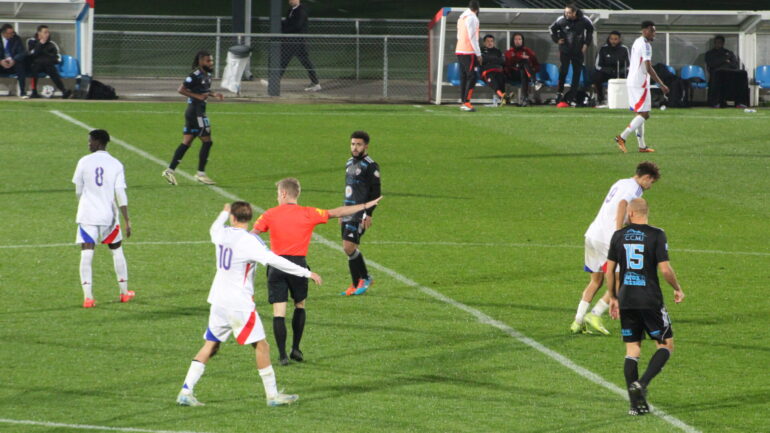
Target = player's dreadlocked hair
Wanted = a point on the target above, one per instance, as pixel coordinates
(198, 56)
(648, 167)
(241, 210)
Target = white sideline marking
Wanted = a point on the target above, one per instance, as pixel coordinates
(483, 318)
(433, 243)
(87, 427)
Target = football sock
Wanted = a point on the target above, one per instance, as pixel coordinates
(656, 364)
(297, 327)
(194, 374)
(630, 370)
(203, 156)
(360, 265)
(121, 269)
(354, 273)
(279, 330)
(635, 123)
(86, 258)
(582, 309)
(640, 136)
(600, 307)
(178, 155)
(268, 380)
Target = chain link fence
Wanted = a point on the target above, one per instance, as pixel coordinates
(350, 62)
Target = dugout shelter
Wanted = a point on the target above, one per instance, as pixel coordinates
(683, 37)
(71, 23)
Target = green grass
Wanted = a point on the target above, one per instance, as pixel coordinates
(512, 192)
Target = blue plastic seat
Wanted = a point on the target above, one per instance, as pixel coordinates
(671, 69)
(762, 76)
(69, 67)
(548, 74)
(693, 73)
(453, 75)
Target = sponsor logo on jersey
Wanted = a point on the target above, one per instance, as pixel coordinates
(377, 173)
(348, 191)
(634, 235)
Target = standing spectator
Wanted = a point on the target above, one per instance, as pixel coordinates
(296, 22)
(727, 82)
(573, 32)
(492, 68)
(611, 62)
(43, 57)
(468, 53)
(12, 56)
(521, 64)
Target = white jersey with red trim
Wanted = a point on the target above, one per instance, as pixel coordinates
(96, 178)
(238, 253)
(603, 226)
(641, 51)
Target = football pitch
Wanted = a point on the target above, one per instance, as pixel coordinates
(476, 251)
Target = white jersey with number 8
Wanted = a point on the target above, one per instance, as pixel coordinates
(97, 177)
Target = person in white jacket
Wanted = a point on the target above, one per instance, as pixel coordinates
(468, 53)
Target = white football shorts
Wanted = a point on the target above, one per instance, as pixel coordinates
(595, 256)
(88, 234)
(244, 325)
(639, 99)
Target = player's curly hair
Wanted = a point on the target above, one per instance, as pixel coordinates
(648, 168)
(100, 135)
(198, 56)
(362, 135)
(241, 210)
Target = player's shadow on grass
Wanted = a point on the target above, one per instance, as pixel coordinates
(543, 155)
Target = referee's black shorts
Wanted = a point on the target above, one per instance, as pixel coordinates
(634, 323)
(280, 284)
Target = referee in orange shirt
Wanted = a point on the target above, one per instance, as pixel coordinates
(291, 227)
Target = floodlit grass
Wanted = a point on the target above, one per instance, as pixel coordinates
(487, 208)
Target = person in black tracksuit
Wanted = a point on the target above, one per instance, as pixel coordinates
(611, 62)
(296, 22)
(574, 33)
(492, 66)
(42, 58)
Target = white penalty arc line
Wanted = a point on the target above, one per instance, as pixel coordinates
(416, 243)
(483, 318)
(87, 427)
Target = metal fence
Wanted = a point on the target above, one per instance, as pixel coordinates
(350, 62)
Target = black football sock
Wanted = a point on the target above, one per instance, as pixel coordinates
(354, 272)
(361, 263)
(279, 330)
(656, 364)
(203, 156)
(297, 326)
(631, 370)
(178, 155)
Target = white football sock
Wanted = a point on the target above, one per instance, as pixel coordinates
(121, 269)
(640, 136)
(193, 375)
(633, 126)
(600, 308)
(583, 307)
(268, 380)
(86, 258)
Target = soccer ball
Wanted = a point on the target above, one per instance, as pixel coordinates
(47, 91)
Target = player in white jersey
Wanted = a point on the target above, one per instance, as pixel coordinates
(612, 216)
(638, 84)
(231, 299)
(100, 181)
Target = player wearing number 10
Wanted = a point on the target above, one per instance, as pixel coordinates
(640, 250)
(99, 180)
(611, 217)
(231, 299)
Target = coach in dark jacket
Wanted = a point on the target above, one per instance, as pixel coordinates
(12, 56)
(573, 32)
(492, 66)
(611, 62)
(296, 23)
(43, 57)
(727, 82)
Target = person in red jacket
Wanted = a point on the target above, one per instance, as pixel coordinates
(521, 65)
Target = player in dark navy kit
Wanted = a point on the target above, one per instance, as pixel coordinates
(362, 184)
(641, 250)
(197, 88)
